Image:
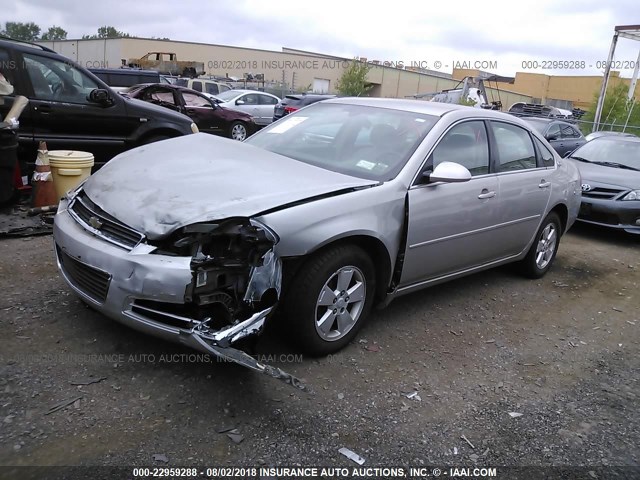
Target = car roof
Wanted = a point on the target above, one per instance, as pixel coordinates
(124, 71)
(411, 105)
(546, 120)
(24, 45)
(170, 86)
(241, 91)
(616, 138)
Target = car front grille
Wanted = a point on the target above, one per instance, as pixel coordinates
(100, 223)
(602, 193)
(90, 280)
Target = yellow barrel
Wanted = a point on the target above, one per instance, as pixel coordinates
(69, 168)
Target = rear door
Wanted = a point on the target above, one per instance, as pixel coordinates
(266, 106)
(452, 226)
(524, 184)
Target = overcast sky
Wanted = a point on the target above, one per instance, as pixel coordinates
(508, 33)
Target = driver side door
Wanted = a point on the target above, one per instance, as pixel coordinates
(62, 116)
(452, 226)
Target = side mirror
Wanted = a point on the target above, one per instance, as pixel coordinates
(551, 137)
(239, 102)
(449, 172)
(101, 96)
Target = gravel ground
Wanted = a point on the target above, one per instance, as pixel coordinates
(531, 373)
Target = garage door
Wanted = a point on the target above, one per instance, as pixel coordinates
(320, 85)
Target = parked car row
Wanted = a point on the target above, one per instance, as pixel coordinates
(72, 109)
(209, 116)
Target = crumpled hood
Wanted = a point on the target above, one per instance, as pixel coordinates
(620, 177)
(163, 186)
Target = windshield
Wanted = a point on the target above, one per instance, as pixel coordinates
(366, 142)
(228, 95)
(610, 149)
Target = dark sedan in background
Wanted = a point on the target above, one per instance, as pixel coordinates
(610, 169)
(291, 103)
(207, 115)
(562, 136)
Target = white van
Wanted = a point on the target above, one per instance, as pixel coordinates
(205, 86)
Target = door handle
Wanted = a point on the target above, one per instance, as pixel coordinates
(486, 194)
(544, 184)
(43, 108)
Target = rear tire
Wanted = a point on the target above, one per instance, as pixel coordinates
(544, 248)
(329, 300)
(238, 131)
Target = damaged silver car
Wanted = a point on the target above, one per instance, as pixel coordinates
(342, 205)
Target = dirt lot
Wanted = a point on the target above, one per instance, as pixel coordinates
(563, 352)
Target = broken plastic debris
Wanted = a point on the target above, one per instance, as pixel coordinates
(515, 414)
(160, 457)
(413, 396)
(235, 436)
(351, 455)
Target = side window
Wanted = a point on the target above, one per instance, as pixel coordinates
(197, 86)
(250, 99)
(57, 81)
(568, 131)
(212, 88)
(466, 144)
(8, 69)
(545, 155)
(193, 100)
(554, 131)
(161, 97)
(267, 100)
(514, 147)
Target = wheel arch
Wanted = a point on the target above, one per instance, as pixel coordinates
(563, 212)
(372, 246)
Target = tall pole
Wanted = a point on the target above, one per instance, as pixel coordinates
(605, 82)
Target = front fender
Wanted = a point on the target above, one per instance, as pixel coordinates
(376, 212)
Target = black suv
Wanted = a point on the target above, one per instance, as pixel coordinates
(291, 103)
(72, 109)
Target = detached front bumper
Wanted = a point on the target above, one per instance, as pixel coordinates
(128, 285)
(619, 214)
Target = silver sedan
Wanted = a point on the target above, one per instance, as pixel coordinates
(310, 222)
(260, 105)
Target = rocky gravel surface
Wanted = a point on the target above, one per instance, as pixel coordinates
(490, 370)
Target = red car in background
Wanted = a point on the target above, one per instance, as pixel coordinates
(206, 114)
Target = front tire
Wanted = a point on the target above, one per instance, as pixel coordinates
(545, 246)
(238, 131)
(329, 300)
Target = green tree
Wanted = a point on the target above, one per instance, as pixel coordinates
(22, 31)
(616, 110)
(55, 33)
(353, 81)
(106, 32)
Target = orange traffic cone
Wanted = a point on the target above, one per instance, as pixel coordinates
(43, 192)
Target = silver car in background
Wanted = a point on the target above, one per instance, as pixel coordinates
(260, 105)
(345, 204)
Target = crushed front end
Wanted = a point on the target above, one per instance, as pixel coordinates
(207, 285)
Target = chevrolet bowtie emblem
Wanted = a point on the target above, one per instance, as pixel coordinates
(95, 223)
